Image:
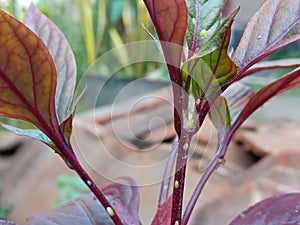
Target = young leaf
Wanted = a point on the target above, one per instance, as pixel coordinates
(213, 42)
(27, 76)
(170, 21)
(278, 210)
(62, 55)
(202, 17)
(268, 30)
(169, 18)
(123, 195)
(210, 72)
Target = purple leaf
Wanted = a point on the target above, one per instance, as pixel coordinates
(27, 76)
(123, 195)
(278, 210)
(5, 222)
(62, 55)
(270, 65)
(285, 83)
(269, 29)
(170, 21)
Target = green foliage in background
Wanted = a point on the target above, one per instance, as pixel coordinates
(103, 25)
(95, 27)
(69, 188)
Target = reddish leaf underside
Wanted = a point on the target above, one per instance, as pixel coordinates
(278, 210)
(27, 76)
(169, 18)
(269, 29)
(170, 21)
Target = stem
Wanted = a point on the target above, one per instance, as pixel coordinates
(165, 185)
(217, 160)
(73, 163)
(93, 187)
(178, 189)
(196, 28)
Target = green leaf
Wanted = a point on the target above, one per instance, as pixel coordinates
(216, 38)
(86, 20)
(208, 14)
(69, 188)
(35, 134)
(210, 72)
(62, 55)
(27, 76)
(270, 29)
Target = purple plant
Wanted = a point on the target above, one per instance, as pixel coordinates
(208, 74)
(37, 81)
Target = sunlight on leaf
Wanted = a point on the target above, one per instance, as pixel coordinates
(62, 55)
(27, 76)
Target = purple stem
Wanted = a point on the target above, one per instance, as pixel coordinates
(179, 180)
(72, 161)
(209, 171)
(168, 174)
